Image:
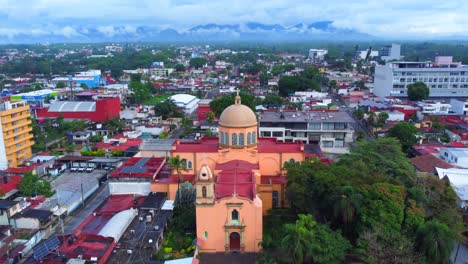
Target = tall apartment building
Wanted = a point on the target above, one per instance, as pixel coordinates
(15, 135)
(333, 131)
(160, 71)
(390, 52)
(444, 78)
(317, 55)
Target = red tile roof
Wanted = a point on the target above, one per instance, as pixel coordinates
(236, 178)
(209, 144)
(130, 142)
(12, 184)
(274, 179)
(428, 163)
(88, 246)
(271, 145)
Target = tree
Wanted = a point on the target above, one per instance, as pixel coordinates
(346, 206)
(218, 105)
(186, 195)
(435, 241)
(179, 68)
(60, 85)
(418, 91)
(96, 138)
(140, 92)
(197, 63)
(406, 133)
(178, 165)
(273, 101)
(210, 118)
(165, 108)
(307, 239)
(371, 118)
(359, 113)
(382, 117)
(187, 123)
(84, 86)
(32, 183)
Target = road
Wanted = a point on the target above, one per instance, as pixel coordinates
(90, 205)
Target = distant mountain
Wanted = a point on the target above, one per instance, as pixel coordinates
(251, 31)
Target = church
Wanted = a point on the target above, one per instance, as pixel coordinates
(238, 178)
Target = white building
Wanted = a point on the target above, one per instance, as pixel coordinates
(362, 54)
(456, 156)
(396, 116)
(317, 55)
(459, 107)
(161, 71)
(186, 102)
(391, 52)
(435, 108)
(458, 179)
(447, 79)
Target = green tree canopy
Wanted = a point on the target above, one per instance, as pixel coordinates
(418, 91)
(165, 108)
(179, 68)
(60, 85)
(406, 133)
(435, 241)
(197, 63)
(272, 101)
(32, 183)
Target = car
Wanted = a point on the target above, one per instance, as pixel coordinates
(74, 169)
(89, 169)
(81, 169)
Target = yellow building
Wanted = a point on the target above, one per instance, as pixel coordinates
(16, 136)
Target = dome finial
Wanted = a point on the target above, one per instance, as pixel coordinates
(238, 98)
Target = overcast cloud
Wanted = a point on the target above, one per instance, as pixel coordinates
(386, 18)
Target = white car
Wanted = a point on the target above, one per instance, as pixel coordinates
(81, 169)
(89, 169)
(74, 169)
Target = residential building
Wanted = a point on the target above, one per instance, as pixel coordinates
(459, 107)
(435, 108)
(16, 137)
(161, 71)
(90, 78)
(444, 78)
(457, 178)
(186, 102)
(333, 131)
(456, 156)
(390, 52)
(317, 55)
(363, 54)
(7, 210)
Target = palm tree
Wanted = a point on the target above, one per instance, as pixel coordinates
(298, 238)
(178, 165)
(346, 206)
(436, 241)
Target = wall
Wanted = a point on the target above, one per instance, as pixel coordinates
(26, 223)
(383, 81)
(202, 111)
(212, 219)
(106, 109)
(142, 188)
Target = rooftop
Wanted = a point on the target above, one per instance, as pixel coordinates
(72, 106)
(428, 163)
(34, 213)
(139, 168)
(236, 179)
(303, 116)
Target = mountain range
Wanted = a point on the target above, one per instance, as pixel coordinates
(251, 31)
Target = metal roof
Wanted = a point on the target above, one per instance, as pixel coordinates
(71, 106)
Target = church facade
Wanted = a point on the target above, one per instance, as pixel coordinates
(238, 177)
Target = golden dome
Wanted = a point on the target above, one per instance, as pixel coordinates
(238, 115)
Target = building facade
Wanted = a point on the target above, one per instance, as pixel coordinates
(333, 131)
(16, 135)
(448, 79)
(161, 71)
(390, 52)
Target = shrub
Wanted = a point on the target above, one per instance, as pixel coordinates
(167, 250)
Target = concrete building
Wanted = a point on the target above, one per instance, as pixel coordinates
(186, 102)
(362, 54)
(456, 156)
(16, 137)
(435, 108)
(333, 131)
(390, 52)
(443, 77)
(90, 78)
(459, 107)
(161, 71)
(317, 55)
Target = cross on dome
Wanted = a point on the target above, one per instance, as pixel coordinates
(238, 98)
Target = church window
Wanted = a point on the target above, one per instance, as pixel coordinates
(206, 234)
(221, 138)
(189, 164)
(241, 139)
(226, 138)
(235, 215)
(203, 190)
(254, 137)
(234, 139)
(292, 160)
(275, 199)
(184, 163)
(249, 139)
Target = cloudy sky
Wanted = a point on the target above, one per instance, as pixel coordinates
(386, 18)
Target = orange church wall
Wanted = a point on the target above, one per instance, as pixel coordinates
(265, 192)
(212, 219)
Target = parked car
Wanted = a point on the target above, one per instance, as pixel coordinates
(81, 169)
(89, 169)
(73, 169)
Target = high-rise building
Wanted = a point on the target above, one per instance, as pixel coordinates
(16, 135)
(444, 78)
(390, 52)
(317, 55)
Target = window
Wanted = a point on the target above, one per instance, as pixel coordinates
(275, 199)
(254, 137)
(203, 190)
(291, 160)
(277, 133)
(235, 215)
(315, 126)
(221, 138)
(249, 139)
(241, 139)
(189, 164)
(234, 139)
(206, 234)
(328, 126)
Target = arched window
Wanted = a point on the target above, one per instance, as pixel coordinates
(235, 215)
(234, 139)
(189, 164)
(184, 163)
(226, 138)
(221, 138)
(254, 137)
(241, 139)
(203, 191)
(292, 160)
(249, 139)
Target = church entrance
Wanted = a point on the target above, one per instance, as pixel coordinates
(234, 241)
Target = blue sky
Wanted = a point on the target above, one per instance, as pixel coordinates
(387, 18)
